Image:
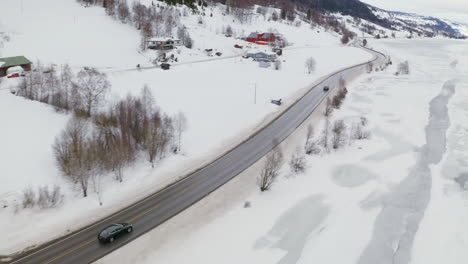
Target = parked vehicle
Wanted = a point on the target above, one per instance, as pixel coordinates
(114, 231)
(276, 102)
(326, 88)
(165, 66)
(278, 51)
(15, 72)
(218, 53)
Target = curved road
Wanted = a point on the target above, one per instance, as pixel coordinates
(83, 247)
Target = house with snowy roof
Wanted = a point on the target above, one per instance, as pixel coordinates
(14, 62)
(261, 55)
(163, 43)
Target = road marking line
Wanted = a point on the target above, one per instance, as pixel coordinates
(144, 213)
(158, 205)
(234, 160)
(70, 251)
(194, 185)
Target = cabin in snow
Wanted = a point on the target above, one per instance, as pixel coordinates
(10, 62)
(163, 43)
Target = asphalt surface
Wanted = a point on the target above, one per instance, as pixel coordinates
(83, 247)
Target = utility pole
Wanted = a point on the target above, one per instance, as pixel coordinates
(255, 94)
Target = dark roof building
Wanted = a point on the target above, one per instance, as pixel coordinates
(9, 62)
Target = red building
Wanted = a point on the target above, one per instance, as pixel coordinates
(261, 38)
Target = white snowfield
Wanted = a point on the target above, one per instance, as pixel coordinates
(225, 100)
(399, 197)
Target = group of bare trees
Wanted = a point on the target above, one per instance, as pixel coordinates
(43, 198)
(61, 88)
(337, 100)
(335, 135)
(152, 21)
(109, 141)
(403, 68)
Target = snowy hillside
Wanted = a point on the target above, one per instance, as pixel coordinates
(224, 98)
(422, 25)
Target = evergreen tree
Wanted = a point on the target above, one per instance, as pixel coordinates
(283, 13)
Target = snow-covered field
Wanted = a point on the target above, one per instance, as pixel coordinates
(224, 101)
(400, 197)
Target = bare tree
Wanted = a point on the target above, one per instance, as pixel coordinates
(339, 97)
(310, 132)
(310, 65)
(229, 31)
(139, 12)
(311, 146)
(339, 133)
(297, 163)
(66, 80)
(180, 125)
(29, 198)
(370, 67)
(71, 153)
(146, 34)
(188, 43)
(110, 5)
(270, 171)
(358, 131)
(181, 33)
(324, 138)
(123, 11)
(277, 65)
(274, 16)
(92, 86)
(328, 108)
(403, 68)
(49, 198)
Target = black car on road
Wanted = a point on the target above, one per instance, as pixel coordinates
(114, 231)
(326, 88)
(165, 66)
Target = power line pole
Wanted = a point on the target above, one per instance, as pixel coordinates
(255, 94)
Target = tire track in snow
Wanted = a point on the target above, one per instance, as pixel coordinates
(403, 209)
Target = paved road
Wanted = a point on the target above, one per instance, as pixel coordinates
(83, 247)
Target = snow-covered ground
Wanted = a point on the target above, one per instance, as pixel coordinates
(218, 98)
(400, 197)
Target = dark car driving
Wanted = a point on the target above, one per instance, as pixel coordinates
(114, 231)
(326, 88)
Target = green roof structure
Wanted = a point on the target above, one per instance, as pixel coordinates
(13, 61)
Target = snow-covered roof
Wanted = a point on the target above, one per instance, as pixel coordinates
(14, 61)
(163, 39)
(253, 51)
(1, 63)
(253, 35)
(15, 69)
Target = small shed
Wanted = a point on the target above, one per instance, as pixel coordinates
(9, 62)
